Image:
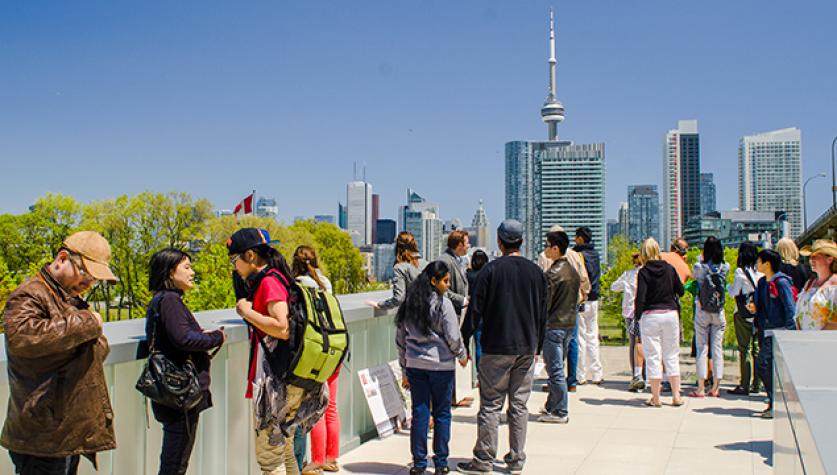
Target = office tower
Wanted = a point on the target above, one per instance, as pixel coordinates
(359, 199)
(342, 216)
(266, 208)
(385, 231)
(708, 201)
(478, 232)
(614, 229)
(643, 213)
(383, 259)
(623, 220)
(376, 213)
(422, 220)
(681, 178)
(555, 182)
(770, 174)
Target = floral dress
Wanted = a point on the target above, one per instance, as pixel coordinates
(816, 306)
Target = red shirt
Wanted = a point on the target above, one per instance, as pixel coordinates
(270, 290)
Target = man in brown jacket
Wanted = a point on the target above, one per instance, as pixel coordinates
(59, 407)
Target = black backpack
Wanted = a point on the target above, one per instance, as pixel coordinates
(742, 300)
(712, 291)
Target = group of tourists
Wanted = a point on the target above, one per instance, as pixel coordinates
(514, 309)
(771, 290)
(59, 408)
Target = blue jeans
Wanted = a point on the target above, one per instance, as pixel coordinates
(555, 344)
(764, 364)
(572, 359)
(430, 388)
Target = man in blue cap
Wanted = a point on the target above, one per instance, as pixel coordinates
(509, 299)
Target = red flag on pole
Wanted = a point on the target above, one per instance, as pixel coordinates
(245, 206)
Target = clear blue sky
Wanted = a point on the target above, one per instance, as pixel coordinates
(218, 98)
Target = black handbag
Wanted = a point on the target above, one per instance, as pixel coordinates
(165, 382)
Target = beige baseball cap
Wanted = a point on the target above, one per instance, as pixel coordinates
(95, 253)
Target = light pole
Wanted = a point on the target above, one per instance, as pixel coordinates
(805, 199)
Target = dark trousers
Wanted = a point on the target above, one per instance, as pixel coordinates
(32, 465)
(764, 365)
(572, 359)
(747, 348)
(430, 388)
(179, 432)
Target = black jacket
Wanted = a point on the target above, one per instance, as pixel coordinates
(180, 336)
(510, 302)
(562, 306)
(658, 287)
(799, 274)
(593, 267)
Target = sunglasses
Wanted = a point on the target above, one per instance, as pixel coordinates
(79, 266)
(234, 258)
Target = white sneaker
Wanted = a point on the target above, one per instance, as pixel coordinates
(552, 419)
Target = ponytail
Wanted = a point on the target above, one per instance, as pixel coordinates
(305, 263)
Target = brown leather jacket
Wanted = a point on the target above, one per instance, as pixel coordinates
(58, 400)
(562, 306)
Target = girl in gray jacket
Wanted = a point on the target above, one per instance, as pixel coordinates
(407, 268)
(429, 343)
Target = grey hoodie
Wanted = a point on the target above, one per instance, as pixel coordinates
(440, 348)
(405, 274)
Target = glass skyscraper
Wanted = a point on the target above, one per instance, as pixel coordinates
(643, 213)
(770, 174)
(681, 178)
(708, 201)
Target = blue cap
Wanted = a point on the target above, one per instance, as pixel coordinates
(510, 230)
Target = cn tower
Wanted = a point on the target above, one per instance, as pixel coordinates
(552, 111)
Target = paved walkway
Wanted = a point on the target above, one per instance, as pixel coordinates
(611, 432)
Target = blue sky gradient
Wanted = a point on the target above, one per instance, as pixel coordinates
(100, 98)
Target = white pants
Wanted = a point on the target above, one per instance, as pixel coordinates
(661, 343)
(589, 363)
(709, 330)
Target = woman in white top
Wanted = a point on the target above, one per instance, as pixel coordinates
(710, 274)
(626, 283)
(816, 307)
(743, 290)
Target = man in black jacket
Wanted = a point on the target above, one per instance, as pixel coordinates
(589, 362)
(564, 282)
(510, 300)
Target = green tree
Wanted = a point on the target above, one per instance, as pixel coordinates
(213, 274)
(610, 303)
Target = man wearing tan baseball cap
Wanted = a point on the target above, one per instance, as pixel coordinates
(59, 407)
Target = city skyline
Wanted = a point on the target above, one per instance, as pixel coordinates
(147, 102)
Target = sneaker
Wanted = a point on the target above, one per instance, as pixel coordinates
(738, 390)
(637, 384)
(441, 471)
(597, 383)
(571, 389)
(515, 468)
(417, 471)
(471, 468)
(553, 419)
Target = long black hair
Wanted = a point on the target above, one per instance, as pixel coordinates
(479, 259)
(274, 260)
(162, 264)
(747, 255)
(416, 305)
(713, 251)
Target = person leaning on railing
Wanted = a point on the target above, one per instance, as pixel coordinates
(408, 266)
(58, 407)
(176, 334)
(816, 306)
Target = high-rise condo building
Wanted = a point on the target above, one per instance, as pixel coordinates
(422, 220)
(555, 182)
(770, 174)
(359, 215)
(681, 178)
(643, 213)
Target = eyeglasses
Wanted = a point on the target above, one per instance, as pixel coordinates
(82, 271)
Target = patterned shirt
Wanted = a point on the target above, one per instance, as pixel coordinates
(816, 307)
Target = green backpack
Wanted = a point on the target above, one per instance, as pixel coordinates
(319, 339)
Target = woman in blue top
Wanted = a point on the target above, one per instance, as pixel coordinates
(710, 274)
(429, 343)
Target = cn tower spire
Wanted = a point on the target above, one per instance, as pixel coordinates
(552, 111)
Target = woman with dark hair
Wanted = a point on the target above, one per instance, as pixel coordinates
(429, 343)
(407, 267)
(710, 274)
(173, 331)
(478, 260)
(325, 435)
(743, 290)
(276, 402)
